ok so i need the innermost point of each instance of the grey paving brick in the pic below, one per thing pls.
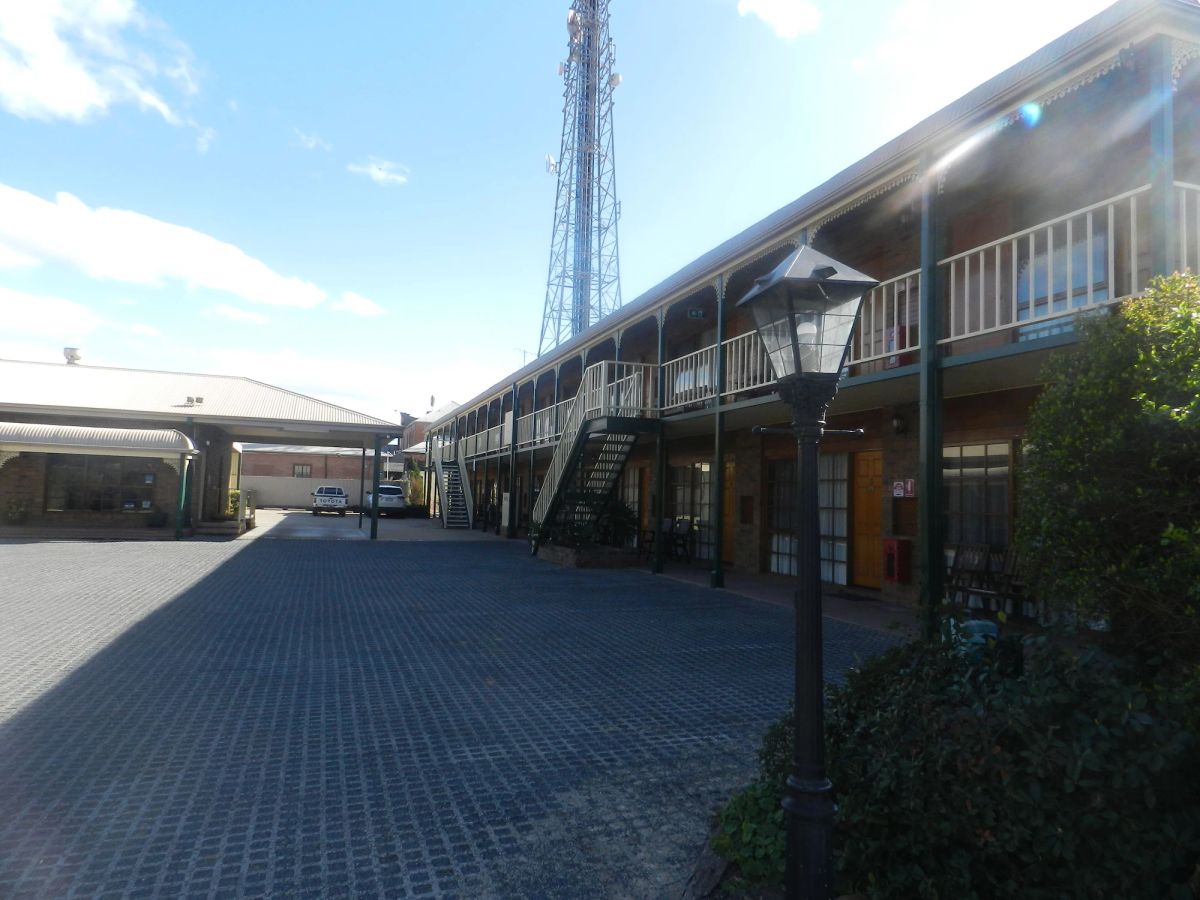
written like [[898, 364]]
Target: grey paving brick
[[284, 718]]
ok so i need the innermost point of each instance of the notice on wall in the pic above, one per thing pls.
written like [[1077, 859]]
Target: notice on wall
[[897, 488], [910, 487]]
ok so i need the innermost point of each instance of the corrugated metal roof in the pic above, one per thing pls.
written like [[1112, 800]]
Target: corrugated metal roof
[[29, 437], [1102, 32], [32, 385]]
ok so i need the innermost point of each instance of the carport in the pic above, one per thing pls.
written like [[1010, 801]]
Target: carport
[[97, 406]]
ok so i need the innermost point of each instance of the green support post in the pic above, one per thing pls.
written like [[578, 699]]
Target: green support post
[[1163, 233], [510, 527], [931, 519], [716, 577], [660, 455]]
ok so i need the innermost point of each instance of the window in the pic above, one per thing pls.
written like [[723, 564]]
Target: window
[[691, 498], [977, 487], [99, 483], [781, 529], [833, 489], [630, 489], [832, 494], [301, 470]]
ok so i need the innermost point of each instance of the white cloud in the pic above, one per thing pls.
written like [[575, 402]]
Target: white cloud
[[311, 141], [45, 316], [233, 105], [204, 139], [380, 171], [74, 60], [239, 315], [787, 18], [126, 246], [358, 305], [14, 259]]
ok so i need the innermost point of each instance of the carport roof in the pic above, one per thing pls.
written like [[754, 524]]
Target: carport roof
[[33, 387], [36, 438]]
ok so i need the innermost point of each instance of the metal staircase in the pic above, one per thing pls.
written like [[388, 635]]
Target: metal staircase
[[455, 501], [616, 402]]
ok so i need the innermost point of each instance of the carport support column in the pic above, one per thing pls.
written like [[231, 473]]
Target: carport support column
[[181, 502], [362, 480], [375, 487], [931, 525], [657, 506], [716, 577], [511, 524]]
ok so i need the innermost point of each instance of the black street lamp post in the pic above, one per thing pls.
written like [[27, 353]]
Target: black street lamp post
[[804, 312]]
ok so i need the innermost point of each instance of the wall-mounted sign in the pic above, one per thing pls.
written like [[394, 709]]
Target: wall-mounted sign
[[910, 487], [696, 312], [897, 488]]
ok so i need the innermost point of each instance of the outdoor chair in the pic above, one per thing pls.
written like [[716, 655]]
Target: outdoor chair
[[681, 540]]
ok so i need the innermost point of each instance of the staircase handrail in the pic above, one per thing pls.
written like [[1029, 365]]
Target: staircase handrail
[[629, 393], [440, 480], [465, 485]]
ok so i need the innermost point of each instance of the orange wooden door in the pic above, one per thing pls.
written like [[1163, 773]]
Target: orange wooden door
[[866, 517], [727, 514]]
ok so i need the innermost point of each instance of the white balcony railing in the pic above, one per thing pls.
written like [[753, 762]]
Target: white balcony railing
[[1077, 261], [888, 323], [747, 365], [541, 426], [691, 378], [1188, 219], [1084, 259]]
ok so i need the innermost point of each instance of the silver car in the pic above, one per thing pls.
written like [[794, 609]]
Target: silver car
[[391, 501]]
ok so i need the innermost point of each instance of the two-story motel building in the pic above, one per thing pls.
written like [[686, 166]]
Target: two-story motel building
[[1052, 190]]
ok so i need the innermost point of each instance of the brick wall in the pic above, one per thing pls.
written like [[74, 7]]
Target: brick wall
[[324, 466]]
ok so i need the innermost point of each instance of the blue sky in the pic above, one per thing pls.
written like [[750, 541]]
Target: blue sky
[[349, 200]]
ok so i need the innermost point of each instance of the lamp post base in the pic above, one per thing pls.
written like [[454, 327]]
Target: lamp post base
[[810, 807]]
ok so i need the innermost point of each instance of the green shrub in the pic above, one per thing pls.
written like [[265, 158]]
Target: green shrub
[[958, 778], [1109, 489]]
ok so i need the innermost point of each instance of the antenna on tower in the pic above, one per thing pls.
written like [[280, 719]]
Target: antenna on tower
[[584, 284]]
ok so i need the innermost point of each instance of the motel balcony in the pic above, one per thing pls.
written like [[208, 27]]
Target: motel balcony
[[1011, 290]]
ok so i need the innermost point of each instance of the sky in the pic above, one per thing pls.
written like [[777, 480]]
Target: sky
[[351, 201]]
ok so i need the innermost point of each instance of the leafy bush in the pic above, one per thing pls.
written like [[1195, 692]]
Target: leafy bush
[[958, 778], [1109, 496]]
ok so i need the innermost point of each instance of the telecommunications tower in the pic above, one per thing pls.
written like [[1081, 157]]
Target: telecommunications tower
[[584, 283]]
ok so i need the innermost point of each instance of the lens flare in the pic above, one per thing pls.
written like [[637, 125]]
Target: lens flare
[[1031, 114]]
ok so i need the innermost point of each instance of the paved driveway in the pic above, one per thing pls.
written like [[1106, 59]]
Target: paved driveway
[[299, 718]]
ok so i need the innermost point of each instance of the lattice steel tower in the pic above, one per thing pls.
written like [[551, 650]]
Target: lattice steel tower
[[584, 284]]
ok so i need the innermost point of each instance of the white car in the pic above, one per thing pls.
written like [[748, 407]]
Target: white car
[[391, 501], [330, 498]]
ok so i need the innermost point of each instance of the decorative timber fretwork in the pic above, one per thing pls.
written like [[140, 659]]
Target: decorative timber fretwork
[[1182, 54], [1123, 57], [861, 200], [8, 455], [792, 240]]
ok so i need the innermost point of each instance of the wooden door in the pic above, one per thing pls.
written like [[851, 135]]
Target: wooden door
[[866, 517], [727, 514]]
